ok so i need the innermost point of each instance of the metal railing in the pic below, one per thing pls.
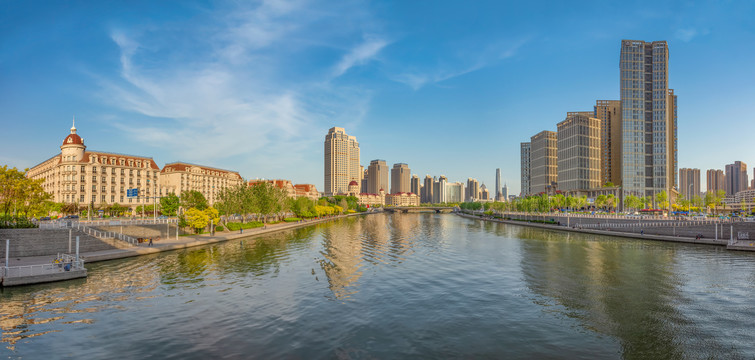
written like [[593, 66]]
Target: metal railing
[[62, 263], [89, 231]]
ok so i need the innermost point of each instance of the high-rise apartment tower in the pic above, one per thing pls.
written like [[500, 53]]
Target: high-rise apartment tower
[[341, 161], [400, 175], [649, 121]]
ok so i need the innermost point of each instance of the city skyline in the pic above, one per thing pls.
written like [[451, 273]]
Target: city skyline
[[230, 95]]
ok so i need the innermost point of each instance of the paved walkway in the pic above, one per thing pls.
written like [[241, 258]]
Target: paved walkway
[[173, 244]]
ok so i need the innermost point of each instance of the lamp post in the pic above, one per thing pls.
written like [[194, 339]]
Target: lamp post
[[689, 195]]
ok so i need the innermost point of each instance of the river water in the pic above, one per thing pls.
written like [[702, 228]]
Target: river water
[[397, 286]]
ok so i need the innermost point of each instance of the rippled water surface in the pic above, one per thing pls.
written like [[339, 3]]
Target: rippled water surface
[[397, 286]]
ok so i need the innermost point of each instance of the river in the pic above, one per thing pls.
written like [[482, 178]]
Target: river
[[397, 286]]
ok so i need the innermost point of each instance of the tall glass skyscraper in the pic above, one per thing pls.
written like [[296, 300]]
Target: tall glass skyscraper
[[648, 106]]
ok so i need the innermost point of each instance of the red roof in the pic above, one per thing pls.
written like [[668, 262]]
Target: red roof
[[73, 139], [353, 183]]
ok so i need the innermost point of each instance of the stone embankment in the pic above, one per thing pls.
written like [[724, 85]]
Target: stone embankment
[[42, 242]]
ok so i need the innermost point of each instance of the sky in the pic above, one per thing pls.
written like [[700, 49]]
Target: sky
[[447, 87]]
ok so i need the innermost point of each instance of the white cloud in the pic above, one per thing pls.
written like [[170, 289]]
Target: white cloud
[[359, 55], [230, 94], [688, 34]]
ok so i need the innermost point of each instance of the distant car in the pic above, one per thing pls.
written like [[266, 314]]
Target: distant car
[[71, 217], [162, 217], [44, 218]]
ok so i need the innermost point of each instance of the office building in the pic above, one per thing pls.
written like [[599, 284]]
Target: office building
[[578, 142], [377, 174], [543, 162], [497, 184], [341, 161], [427, 190], [525, 168], [442, 189], [400, 175], [484, 193], [416, 187], [505, 193], [609, 113], [649, 119], [473, 189], [715, 181], [455, 192], [689, 182], [736, 178]]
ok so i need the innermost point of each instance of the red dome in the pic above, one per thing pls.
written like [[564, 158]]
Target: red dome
[[353, 183], [73, 139]]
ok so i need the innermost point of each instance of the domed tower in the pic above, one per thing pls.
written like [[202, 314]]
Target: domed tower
[[353, 188], [73, 146]]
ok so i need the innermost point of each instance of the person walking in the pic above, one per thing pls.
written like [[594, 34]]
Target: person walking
[[150, 241]]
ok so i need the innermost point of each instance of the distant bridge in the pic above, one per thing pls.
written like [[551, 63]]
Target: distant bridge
[[416, 209]]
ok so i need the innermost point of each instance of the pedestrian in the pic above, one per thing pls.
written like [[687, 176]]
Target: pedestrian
[[150, 241]]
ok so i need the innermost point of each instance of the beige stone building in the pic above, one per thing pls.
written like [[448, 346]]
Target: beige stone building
[[341, 161], [294, 191], [609, 113], [578, 141], [178, 177], [543, 162], [715, 180], [365, 199], [95, 177], [402, 199]]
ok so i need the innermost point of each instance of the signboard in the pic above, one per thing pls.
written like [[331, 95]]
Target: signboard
[[132, 192]]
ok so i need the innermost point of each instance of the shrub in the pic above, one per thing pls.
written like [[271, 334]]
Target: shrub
[[292, 219], [235, 226], [219, 228]]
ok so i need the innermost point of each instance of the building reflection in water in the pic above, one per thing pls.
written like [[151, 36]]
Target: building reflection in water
[[611, 286], [374, 240]]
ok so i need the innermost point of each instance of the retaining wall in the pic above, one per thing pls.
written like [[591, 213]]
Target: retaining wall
[[39, 242]]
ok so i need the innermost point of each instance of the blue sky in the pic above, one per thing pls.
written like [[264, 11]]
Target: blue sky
[[447, 87]]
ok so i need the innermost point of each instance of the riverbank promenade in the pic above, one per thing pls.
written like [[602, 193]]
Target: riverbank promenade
[[170, 244]]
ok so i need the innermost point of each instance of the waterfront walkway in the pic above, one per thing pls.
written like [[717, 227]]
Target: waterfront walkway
[[182, 242], [691, 240]]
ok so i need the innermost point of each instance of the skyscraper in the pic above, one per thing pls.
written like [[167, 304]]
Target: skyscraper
[[609, 112], [648, 115], [443, 193], [415, 185], [578, 141], [736, 178], [525, 168], [473, 189], [497, 184], [505, 193], [543, 162], [341, 161], [400, 175], [689, 182], [715, 180], [427, 190], [377, 174]]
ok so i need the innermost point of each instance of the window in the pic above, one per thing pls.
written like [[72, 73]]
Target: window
[[81, 199], [94, 179]]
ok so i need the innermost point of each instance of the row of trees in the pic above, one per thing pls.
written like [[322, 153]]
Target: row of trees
[[21, 196], [545, 203]]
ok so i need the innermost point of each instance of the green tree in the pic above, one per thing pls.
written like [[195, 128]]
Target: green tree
[[196, 219], [193, 199], [600, 201], [169, 205], [661, 199]]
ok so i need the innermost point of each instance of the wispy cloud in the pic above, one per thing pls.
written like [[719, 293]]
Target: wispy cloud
[[359, 55], [688, 34], [230, 93], [464, 64]]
